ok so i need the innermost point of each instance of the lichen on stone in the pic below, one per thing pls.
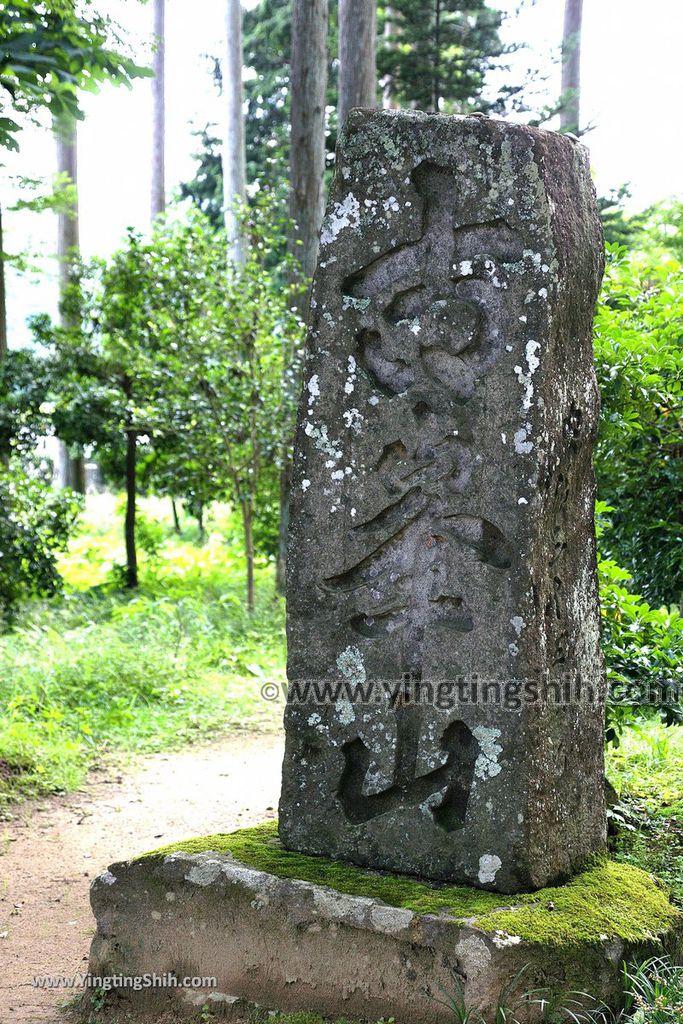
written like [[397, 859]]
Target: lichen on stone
[[607, 899]]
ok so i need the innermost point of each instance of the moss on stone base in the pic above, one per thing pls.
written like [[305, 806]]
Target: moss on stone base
[[608, 900]]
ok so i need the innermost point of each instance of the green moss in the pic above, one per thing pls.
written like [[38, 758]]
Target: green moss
[[617, 900]]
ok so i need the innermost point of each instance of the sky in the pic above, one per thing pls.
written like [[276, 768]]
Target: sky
[[631, 91]]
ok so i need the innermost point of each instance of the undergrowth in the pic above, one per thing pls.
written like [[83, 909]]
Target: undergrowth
[[646, 770], [101, 667]]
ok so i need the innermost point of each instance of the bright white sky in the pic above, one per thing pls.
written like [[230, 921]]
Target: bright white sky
[[632, 84]]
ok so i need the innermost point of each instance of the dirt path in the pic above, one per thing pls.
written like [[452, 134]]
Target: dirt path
[[53, 849]]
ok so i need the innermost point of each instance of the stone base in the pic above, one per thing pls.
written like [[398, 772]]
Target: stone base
[[294, 944]]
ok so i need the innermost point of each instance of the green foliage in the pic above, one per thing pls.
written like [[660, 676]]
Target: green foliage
[[663, 228], [182, 355], [653, 994], [656, 231], [643, 649], [231, 335], [267, 30], [439, 52], [639, 360], [510, 999], [50, 51], [267, 48], [103, 370], [35, 522], [24, 415], [183, 659], [455, 60], [646, 770], [619, 227], [206, 188]]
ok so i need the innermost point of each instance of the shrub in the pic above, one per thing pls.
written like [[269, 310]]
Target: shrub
[[35, 523]]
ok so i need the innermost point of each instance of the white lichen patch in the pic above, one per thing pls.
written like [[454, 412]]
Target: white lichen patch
[[390, 919], [464, 267], [313, 388], [305, 484], [321, 440], [533, 362], [522, 445], [487, 765], [345, 713], [349, 384], [344, 215], [526, 379], [205, 873], [518, 624], [353, 420], [489, 866], [350, 664], [350, 302], [501, 940]]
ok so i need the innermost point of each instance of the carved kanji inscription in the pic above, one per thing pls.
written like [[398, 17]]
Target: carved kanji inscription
[[441, 531]]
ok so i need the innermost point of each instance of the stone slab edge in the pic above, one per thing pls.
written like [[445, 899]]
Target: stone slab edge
[[291, 945]]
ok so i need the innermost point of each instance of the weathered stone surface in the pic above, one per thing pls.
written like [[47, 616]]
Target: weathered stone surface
[[442, 510], [292, 945]]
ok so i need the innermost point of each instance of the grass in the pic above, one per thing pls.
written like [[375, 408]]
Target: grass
[[100, 668], [647, 772]]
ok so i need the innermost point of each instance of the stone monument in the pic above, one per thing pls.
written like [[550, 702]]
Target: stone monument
[[445, 715], [446, 685]]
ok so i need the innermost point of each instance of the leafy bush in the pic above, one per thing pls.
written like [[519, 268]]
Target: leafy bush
[[643, 649], [639, 457], [35, 522]]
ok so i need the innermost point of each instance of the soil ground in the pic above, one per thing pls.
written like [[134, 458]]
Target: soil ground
[[53, 848]]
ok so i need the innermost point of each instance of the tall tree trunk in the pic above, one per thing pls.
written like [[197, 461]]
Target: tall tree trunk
[[388, 99], [176, 517], [200, 521], [357, 55], [308, 73], [234, 157], [159, 111], [68, 240], [436, 84], [248, 524], [571, 67], [3, 304], [4, 455], [77, 473], [307, 136], [131, 494], [68, 250]]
